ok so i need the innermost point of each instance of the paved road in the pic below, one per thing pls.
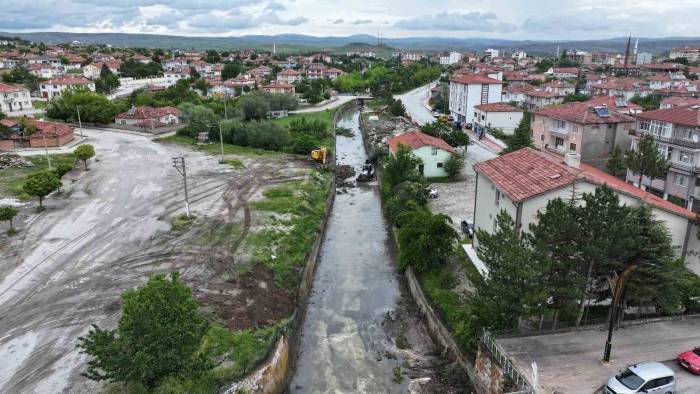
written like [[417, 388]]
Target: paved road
[[570, 362], [414, 101], [68, 265], [340, 100]]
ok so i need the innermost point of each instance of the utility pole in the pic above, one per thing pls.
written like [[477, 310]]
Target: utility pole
[[46, 149], [80, 124], [221, 142], [179, 164], [617, 284]]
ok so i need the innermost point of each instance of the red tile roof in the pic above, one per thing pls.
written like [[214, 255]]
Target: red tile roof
[[10, 88], [581, 113], [148, 113], [688, 115], [417, 139], [565, 70], [475, 79], [288, 71], [497, 107], [612, 102], [69, 81], [680, 101], [527, 172], [48, 129]]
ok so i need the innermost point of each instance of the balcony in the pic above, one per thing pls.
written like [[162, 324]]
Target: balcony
[[688, 167], [559, 131], [669, 140]]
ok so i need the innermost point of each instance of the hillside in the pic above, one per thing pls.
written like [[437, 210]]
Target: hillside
[[299, 42]]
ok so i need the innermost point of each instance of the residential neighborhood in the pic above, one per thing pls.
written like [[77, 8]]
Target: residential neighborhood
[[325, 197]]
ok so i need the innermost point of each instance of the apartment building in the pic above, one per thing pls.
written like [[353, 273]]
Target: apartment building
[[468, 90], [54, 87], [14, 98], [690, 53], [677, 134], [582, 128]]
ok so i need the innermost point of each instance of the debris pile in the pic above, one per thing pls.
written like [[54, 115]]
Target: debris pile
[[344, 171], [378, 132], [14, 161]]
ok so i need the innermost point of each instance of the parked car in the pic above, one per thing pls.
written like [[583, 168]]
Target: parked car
[[690, 360], [468, 228], [652, 378]]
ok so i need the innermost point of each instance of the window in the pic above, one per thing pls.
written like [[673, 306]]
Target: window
[[685, 157], [439, 165], [660, 129], [541, 137], [688, 134], [559, 124], [558, 142], [572, 147], [681, 180], [574, 129], [498, 197], [433, 152], [665, 151]]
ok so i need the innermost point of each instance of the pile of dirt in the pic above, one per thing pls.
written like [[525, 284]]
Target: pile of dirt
[[344, 172], [251, 300], [379, 131], [344, 132], [14, 161]]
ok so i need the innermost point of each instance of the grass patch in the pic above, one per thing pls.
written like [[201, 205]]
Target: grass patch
[[234, 353], [398, 378], [326, 116], [235, 163], [215, 148], [284, 247], [39, 104], [12, 179], [180, 222]]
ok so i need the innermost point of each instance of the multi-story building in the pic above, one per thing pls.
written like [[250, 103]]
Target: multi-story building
[[468, 90], [502, 116], [176, 74], [690, 53], [54, 87], [540, 98], [643, 58], [289, 76], [581, 128], [448, 59], [14, 98], [677, 134], [491, 53]]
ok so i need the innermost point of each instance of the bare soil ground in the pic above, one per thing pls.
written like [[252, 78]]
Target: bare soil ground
[[109, 230]]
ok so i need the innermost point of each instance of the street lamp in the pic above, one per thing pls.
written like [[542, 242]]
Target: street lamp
[[618, 283], [80, 124]]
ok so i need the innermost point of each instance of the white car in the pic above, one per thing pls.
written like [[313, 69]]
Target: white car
[[652, 378]]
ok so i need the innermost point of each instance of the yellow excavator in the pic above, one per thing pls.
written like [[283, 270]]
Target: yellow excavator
[[319, 154]]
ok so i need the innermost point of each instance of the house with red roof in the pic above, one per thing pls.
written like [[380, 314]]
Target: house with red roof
[[29, 132], [14, 98], [468, 90], [677, 134], [587, 129], [432, 151], [279, 87], [522, 182], [289, 76], [562, 72], [149, 117], [501, 116], [54, 87]]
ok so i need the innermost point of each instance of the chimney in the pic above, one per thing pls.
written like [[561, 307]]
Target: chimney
[[572, 160]]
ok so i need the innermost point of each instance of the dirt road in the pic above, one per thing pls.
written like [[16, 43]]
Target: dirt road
[[105, 233]]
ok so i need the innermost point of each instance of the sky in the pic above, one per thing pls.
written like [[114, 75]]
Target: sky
[[508, 19]]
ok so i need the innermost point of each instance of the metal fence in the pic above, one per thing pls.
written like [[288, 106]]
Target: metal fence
[[500, 357]]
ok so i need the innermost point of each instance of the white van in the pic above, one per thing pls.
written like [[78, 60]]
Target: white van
[[651, 378]]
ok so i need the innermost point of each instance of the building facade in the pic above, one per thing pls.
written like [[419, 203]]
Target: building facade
[[14, 98], [468, 90]]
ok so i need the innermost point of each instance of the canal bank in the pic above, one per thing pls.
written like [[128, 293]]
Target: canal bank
[[362, 331]]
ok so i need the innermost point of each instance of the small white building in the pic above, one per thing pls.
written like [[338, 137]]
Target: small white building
[[468, 90], [502, 116], [174, 75], [448, 59], [562, 72], [522, 182], [491, 53], [14, 98], [432, 151], [54, 87], [289, 76]]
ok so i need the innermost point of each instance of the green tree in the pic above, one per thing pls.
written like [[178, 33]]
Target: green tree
[[107, 84], [231, 70], [521, 136], [94, 107], [544, 65], [514, 287], [616, 163], [427, 240], [157, 337], [41, 184], [401, 166], [646, 160], [453, 166], [7, 213], [648, 103], [84, 152], [212, 56]]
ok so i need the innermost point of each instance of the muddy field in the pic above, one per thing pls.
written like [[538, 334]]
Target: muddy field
[[109, 230]]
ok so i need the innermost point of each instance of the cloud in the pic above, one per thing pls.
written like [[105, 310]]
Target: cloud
[[446, 21], [338, 21], [275, 6], [361, 22]]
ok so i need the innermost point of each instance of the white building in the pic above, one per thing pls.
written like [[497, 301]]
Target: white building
[[519, 55], [54, 87], [502, 116], [643, 58], [468, 90], [690, 53], [522, 182], [432, 151], [450, 58], [289, 76], [174, 75], [14, 98], [491, 53]]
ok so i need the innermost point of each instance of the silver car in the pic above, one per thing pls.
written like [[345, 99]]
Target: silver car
[[649, 378]]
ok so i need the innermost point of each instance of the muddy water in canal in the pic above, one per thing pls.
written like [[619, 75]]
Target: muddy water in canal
[[362, 332]]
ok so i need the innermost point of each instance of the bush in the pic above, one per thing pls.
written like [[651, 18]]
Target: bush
[[304, 144], [453, 166]]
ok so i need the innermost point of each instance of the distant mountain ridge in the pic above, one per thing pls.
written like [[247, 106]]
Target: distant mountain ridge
[[300, 42]]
